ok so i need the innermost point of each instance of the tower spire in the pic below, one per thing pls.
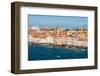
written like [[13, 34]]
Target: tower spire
[[81, 29]]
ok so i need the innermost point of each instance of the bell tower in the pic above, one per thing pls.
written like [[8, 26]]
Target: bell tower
[[81, 29]]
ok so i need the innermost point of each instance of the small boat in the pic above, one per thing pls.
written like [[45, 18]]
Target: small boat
[[82, 49]]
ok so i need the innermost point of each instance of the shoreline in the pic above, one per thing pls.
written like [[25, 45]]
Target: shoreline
[[64, 45]]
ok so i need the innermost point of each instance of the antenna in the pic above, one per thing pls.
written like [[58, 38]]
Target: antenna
[[58, 22]]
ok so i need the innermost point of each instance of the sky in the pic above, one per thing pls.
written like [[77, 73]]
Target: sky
[[43, 21]]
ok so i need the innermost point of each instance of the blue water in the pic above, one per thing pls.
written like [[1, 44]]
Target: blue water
[[38, 52]]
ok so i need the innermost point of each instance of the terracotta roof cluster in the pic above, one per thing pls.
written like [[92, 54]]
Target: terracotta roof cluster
[[44, 33]]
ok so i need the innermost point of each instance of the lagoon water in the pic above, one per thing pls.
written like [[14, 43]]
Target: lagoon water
[[39, 52]]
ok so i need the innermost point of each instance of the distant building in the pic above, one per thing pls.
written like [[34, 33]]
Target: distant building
[[59, 36], [35, 28], [82, 35]]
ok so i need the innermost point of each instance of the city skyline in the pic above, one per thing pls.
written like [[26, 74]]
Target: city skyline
[[56, 21]]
